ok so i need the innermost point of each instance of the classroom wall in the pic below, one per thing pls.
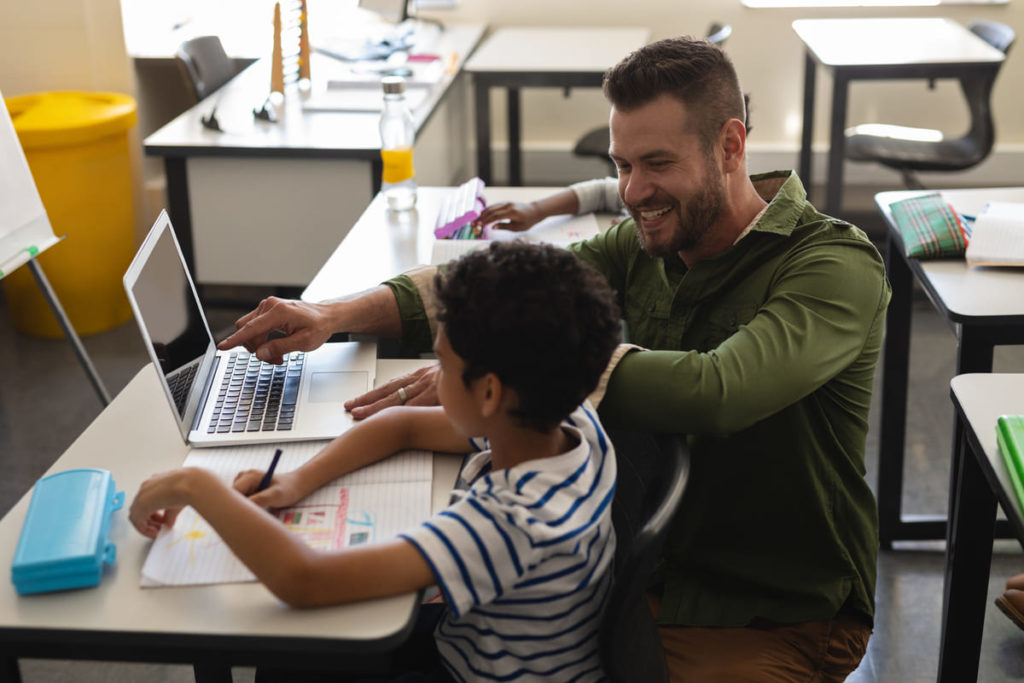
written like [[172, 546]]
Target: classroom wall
[[769, 58]]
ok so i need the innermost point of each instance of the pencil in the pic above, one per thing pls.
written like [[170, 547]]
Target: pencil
[[265, 482]]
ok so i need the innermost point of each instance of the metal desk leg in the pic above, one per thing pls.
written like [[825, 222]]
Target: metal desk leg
[[968, 561], [69, 331], [482, 106], [9, 670], [895, 363], [212, 673], [807, 136], [837, 144], [179, 208], [515, 151]]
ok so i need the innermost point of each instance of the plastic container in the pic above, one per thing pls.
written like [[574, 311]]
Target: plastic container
[[397, 134], [77, 147], [64, 540]]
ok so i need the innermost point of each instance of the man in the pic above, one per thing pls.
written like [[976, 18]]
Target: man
[[763, 319]]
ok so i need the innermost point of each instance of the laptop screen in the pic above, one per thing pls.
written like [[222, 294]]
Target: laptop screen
[[171, 316]]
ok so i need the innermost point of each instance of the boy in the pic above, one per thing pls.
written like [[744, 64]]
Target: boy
[[524, 558]]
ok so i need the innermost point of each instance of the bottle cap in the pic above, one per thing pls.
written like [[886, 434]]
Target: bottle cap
[[393, 85]]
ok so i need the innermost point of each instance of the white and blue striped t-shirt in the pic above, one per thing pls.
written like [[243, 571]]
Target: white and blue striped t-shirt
[[524, 561]]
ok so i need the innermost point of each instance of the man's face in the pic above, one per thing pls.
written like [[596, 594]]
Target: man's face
[[672, 188]]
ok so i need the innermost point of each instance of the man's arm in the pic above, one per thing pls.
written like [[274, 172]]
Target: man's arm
[[826, 307]]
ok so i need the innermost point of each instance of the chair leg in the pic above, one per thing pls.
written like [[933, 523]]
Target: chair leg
[[911, 181]]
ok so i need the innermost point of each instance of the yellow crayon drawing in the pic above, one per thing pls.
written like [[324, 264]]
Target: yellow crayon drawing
[[200, 530]]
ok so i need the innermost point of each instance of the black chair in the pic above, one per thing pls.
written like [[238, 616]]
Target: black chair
[[204, 65], [652, 475], [595, 143], [911, 150]]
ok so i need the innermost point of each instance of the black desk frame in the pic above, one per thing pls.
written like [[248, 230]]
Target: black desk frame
[[512, 81], [842, 76], [969, 556], [977, 339]]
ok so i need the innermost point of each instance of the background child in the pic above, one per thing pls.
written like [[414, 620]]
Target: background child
[[524, 558]]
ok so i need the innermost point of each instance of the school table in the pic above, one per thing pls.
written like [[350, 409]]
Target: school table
[[517, 57], [259, 203], [983, 307], [983, 481], [383, 244], [212, 627], [878, 49]]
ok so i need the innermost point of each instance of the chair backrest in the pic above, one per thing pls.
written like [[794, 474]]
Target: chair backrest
[[652, 475], [205, 65], [1000, 36], [980, 139], [718, 33]]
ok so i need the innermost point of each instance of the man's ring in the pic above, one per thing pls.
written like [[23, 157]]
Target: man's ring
[[402, 396]]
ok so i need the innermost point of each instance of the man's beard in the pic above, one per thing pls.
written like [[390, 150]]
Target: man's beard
[[702, 211]]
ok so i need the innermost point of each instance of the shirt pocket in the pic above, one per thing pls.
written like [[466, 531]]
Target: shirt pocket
[[648, 318]]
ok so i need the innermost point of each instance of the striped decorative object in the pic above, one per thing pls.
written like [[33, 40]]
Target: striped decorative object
[[929, 226]]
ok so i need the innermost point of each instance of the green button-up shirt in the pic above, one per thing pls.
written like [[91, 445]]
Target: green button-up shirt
[[765, 355]]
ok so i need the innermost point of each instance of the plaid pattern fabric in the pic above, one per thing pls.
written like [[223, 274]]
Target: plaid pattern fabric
[[929, 226]]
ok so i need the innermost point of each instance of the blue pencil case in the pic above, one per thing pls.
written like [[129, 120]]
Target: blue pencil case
[[64, 541]]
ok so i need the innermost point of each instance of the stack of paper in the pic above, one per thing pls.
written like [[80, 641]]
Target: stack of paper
[[998, 236]]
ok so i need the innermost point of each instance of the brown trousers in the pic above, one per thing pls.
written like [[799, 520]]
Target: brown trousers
[[811, 652]]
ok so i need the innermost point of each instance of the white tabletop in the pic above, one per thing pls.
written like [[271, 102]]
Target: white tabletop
[[983, 398], [316, 133], [890, 41], [383, 244], [970, 291], [134, 437], [556, 49]]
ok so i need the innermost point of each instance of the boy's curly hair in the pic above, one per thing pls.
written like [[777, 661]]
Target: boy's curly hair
[[539, 318]]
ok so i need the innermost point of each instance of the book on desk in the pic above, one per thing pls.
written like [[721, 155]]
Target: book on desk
[[997, 237]]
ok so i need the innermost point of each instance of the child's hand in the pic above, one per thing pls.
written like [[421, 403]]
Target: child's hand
[[282, 492], [160, 499]]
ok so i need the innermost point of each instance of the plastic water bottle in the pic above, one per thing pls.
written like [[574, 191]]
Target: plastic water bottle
[[397, 133]]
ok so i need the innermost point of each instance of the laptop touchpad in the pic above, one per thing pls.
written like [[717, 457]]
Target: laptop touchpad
[[337, 386]]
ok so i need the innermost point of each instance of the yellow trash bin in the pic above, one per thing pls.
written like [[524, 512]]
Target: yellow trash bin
[[77, 146]]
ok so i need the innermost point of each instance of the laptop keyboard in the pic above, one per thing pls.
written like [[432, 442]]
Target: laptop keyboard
[[180, 384], [256, 396]]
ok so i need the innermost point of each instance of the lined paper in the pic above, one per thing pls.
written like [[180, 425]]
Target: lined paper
[[998, 236], [371, 504]]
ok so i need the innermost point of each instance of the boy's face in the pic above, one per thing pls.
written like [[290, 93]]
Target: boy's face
[[458, 400]]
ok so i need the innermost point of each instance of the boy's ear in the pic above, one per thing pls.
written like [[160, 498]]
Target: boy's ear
[[489, 393]]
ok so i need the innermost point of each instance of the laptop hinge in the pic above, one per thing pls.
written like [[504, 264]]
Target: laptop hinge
[[197, 419]]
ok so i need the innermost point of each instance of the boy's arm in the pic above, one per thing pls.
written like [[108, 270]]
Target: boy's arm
[[295, 573], [388, 432]]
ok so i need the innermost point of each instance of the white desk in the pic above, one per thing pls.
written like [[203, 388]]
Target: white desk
[[983, 307], [381, 245], [878, 49], [260, 203], [521, 57], [212, 627], [979, 400]]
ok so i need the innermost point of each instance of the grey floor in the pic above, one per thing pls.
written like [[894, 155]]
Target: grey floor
[[46, 401]]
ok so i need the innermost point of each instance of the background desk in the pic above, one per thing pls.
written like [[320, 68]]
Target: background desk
[[979, 400], [515, 57], [261, 203], [212, 627], [878, 49], [984, 308], [381, 245]]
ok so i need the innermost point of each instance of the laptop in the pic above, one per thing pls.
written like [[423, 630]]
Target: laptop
[[222, 398]]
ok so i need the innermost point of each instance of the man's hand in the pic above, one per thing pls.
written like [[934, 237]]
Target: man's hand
[[305, 326], [515, 216], [418, 388]]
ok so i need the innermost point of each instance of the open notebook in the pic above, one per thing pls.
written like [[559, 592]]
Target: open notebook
[[997, 238], [558, 230]]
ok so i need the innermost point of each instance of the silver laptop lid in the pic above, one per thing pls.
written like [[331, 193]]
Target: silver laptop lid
[[174, 328]]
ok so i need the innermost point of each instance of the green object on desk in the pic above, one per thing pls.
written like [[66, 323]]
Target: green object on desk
[[929, 226], [1010, 434]]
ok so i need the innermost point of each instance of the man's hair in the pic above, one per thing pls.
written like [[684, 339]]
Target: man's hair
[[695, 72], [537, 317]]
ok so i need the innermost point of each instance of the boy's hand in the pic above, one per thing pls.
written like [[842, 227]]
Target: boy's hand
[[160, 499], [515, 216], [283, 490]]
